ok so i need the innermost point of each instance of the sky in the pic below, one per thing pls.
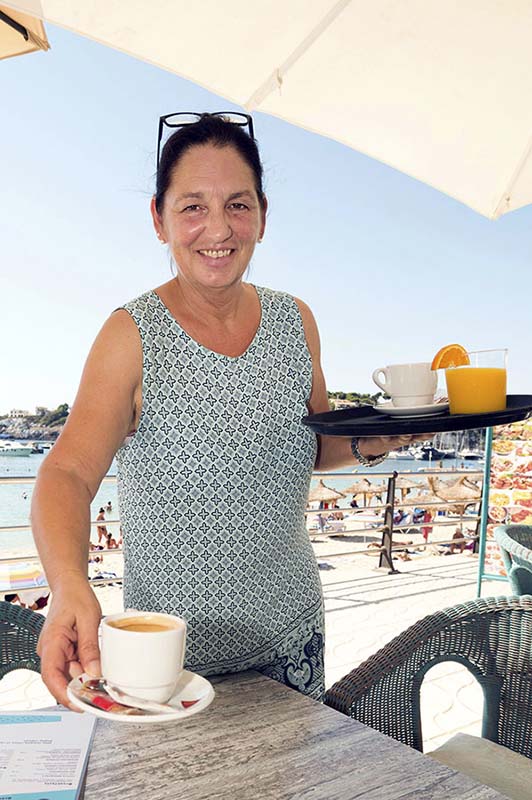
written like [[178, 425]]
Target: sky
[[391, 268]]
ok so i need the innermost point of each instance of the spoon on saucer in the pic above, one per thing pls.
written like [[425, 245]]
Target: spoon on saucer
[[138, 702]]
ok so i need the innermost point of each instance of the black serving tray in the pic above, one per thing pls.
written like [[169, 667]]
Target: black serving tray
[[365, 421]]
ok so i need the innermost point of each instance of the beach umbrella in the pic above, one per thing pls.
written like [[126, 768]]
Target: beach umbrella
[[405, 485], [21, 575], [459, 491], [365, 488], [362, 487], [323, 493], [358, 487], [20, 33], [421, 499], [437, 90]]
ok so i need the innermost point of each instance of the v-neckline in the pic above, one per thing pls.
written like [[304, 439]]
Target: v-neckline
[[201, 346]]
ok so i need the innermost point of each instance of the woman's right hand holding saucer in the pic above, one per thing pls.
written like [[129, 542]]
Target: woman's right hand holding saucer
[[68, 644]]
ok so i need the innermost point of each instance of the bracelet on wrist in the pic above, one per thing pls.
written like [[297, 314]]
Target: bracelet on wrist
[[366, 461]]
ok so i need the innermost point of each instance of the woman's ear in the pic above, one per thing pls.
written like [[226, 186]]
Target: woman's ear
[[157, 222], [264, 210]]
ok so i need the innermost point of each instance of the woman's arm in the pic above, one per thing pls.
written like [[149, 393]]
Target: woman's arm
[[105, 410], [334, 452]]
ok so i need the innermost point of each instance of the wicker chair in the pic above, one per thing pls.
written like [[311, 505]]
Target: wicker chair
[[491, 637], [515, 542], [19, 634]]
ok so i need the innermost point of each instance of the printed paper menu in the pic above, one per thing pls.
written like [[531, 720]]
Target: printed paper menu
[[510, 497], [44, 754]]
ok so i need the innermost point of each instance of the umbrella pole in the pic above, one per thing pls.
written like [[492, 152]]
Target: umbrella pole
[[15, 25], [385, 559]]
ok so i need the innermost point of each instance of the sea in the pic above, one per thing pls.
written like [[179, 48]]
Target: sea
[[15, 498]]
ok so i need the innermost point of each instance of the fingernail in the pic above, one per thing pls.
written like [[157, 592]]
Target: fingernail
[[93, 669]]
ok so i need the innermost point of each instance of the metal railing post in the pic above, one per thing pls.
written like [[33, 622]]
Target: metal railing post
[[385, 558]]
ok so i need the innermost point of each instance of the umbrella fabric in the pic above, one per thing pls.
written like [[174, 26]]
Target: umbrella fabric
[[405, 483], [421, 499], [322, 492], [21, 575], [437, 90], [359, 487], [15, 40], [460, 490]]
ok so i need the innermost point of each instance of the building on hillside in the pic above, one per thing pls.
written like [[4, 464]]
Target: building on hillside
[[18, 413], [339, 404]]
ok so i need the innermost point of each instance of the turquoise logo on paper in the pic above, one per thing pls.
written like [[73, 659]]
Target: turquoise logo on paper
[[27, 719]]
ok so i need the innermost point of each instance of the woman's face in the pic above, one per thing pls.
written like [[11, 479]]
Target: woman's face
[[211, 216]]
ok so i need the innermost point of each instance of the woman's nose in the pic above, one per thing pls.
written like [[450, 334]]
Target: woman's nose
[[218, 226]]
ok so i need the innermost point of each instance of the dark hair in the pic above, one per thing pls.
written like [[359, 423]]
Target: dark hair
[[101, 511], [209, 129]]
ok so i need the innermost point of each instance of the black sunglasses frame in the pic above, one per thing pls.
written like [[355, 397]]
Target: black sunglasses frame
[[247, 122]]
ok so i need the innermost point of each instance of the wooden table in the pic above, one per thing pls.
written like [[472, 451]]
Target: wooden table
[[262, 741]]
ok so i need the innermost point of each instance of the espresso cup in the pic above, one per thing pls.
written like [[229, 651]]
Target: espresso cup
[[143, 653], [407, 384]]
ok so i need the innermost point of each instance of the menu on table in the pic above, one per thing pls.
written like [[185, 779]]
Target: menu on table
[[510, 495], [44, 754]]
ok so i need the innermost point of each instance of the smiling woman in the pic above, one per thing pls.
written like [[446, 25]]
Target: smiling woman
[[210, 377]]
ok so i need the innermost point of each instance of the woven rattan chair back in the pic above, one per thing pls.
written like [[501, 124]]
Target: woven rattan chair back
[[492, 637], [515, 542], [19, 634]]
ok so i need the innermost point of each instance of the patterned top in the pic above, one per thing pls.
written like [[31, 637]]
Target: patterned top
[[213, 485]]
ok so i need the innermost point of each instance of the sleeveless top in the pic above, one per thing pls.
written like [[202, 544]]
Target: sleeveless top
[[213, 485]]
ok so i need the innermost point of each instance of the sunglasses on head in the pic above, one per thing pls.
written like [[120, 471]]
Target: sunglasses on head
[[169, 123]]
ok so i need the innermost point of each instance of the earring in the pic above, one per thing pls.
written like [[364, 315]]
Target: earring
[[259, 240]]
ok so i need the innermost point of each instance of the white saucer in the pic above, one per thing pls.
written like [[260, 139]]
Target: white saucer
[[411, 411], [190, 687]]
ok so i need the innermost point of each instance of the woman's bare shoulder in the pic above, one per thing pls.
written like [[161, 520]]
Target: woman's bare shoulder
[[310, 327]]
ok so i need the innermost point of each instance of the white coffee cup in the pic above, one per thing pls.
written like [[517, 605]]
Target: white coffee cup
[[143, 653], [408, 384]]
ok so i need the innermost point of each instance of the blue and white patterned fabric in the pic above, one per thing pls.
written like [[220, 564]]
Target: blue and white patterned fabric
[[212, 489]]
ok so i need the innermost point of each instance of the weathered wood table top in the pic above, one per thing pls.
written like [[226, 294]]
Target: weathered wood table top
[[262, 740]]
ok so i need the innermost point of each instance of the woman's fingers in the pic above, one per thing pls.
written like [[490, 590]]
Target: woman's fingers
[[56, 652], [88, 650]]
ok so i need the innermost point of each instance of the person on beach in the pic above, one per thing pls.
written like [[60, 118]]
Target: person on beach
[[109, 507], [101, 529], [111, 542], [213, 375]]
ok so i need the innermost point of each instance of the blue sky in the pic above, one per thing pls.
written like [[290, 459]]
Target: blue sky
[[391, 268]]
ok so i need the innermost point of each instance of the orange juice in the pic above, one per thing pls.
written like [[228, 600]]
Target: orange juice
[[476, 390]]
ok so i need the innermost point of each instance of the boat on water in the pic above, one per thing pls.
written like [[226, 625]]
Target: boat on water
[[470, 455], [15, 449], [431, 453], [403, 455]]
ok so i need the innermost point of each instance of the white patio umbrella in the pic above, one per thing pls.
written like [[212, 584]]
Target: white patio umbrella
[[20, 33], [438, 90]]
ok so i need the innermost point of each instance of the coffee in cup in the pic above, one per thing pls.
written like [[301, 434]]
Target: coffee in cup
[[144, 624], [143, 653], [407, 384]]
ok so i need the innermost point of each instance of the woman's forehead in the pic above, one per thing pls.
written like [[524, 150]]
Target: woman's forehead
[[205, 164]]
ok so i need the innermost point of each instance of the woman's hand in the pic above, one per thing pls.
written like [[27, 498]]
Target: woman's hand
[[376, 445], [68, 644]]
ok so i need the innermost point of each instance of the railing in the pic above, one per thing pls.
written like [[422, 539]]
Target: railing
[[386, 529]]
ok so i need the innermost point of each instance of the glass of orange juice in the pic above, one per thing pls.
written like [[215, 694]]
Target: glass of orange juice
[[480, 386]]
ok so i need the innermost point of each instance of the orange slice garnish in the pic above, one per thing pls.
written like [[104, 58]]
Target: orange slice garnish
[[452, 355]]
